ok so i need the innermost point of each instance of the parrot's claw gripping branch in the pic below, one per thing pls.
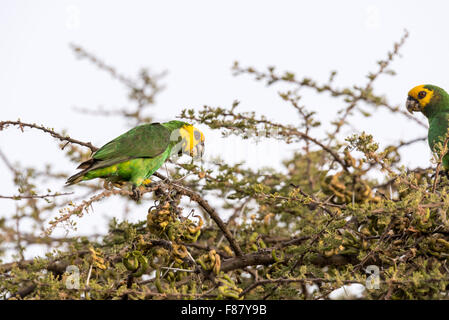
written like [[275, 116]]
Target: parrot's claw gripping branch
[[136, 193]]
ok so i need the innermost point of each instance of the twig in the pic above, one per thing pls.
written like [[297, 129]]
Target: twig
[[86, 203], [211, 211], [291, 280], [177, 269], [284, 130], [20, 197], [372, 77], [21, 125]]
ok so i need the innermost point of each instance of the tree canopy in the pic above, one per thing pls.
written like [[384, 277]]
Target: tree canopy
[[340, 208]]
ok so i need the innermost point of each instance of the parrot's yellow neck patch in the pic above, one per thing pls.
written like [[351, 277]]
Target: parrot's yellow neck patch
[[416, 93], [191, 135]]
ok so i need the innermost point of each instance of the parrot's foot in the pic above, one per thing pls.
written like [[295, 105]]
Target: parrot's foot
[[137, 193], [107, 185]]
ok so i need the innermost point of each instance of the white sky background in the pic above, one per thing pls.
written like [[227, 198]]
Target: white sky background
[[197, 41]]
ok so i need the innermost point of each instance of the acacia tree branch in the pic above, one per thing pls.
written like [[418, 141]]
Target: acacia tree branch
[[285, 131], [20, 197], [291, 280], [210, 211], [78, 210], [21, 125], [407, 143], [372, 77]]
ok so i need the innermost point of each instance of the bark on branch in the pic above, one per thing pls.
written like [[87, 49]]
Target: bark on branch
[[21, 125]]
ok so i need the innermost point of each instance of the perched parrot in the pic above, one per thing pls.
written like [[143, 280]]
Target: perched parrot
[[433, 102], [135, 155]]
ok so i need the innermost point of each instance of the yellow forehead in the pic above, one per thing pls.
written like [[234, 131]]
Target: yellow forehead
[[415, 92], [188, 130]]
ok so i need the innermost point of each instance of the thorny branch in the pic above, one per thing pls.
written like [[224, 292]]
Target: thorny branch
[[312, 223], [21, 125], [21, 197]]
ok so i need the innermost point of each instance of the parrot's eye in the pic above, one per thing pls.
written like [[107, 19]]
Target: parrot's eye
[[197, 135], [422, 94]]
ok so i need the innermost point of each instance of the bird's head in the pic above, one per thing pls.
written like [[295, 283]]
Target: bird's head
[[186, 139], [192, 141], [426, 99]]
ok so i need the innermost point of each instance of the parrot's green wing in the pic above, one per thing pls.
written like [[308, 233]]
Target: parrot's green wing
[[145, 141], [137, 154]]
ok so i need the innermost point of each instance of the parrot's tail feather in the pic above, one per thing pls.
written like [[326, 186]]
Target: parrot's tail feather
[[86, 164], [92, 164], [75, 178]]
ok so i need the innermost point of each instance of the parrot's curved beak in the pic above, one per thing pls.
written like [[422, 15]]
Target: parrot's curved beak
[[195, 151], [198, 151], [412, 105]]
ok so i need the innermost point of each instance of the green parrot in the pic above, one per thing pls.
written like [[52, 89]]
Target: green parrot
[[433, 102], [135, 155]]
